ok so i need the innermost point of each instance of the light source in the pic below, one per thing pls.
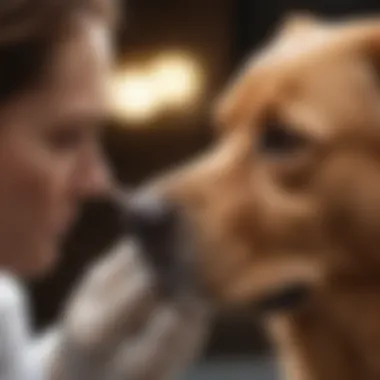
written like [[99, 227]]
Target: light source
[[132, 97], [177, 79], [169, 81]]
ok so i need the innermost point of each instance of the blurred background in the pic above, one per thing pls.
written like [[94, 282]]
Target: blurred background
[[174, 56]]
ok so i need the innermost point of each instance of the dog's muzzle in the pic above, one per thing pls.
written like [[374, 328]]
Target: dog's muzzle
[[169, 245], [165, 239]]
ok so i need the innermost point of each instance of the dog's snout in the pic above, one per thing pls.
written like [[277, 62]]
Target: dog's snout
[[151, 218], [158, 226]]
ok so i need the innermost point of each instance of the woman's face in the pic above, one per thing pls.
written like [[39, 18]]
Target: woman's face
[[50, 161]]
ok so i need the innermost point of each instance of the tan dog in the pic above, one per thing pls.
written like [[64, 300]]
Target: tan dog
[[291, 194]]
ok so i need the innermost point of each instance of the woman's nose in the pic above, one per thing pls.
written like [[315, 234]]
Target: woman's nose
[[95, 180]]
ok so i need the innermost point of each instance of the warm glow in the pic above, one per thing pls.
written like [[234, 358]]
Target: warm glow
[[169, 81], [132, 96], [177, 79]]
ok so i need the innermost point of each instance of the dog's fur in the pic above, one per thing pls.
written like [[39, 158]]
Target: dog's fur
[[291, 193]]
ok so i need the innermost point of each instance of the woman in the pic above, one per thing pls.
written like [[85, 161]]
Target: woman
[[54, 61]]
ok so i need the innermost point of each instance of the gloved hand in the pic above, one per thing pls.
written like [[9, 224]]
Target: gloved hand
[[118, 326]]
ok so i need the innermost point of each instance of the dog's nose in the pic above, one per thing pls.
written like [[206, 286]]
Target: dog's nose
[[161, 230], [152, 219], [158, 228]]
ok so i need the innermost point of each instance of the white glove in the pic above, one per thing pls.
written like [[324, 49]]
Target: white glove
[[117, 325]]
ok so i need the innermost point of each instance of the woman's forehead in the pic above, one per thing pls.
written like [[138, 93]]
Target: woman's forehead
[[84, 55], [99, 37], [76, 80], [80, 71]]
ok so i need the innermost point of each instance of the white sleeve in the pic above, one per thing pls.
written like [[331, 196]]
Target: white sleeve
[[14, 331], [21, 356]]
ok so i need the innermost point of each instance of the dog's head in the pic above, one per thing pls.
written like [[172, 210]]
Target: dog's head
[[290, 193]]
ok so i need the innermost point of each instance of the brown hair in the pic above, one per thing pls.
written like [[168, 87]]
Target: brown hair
[[29, 30]]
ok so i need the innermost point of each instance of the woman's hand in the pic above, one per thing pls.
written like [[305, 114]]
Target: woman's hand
[[118, 327]]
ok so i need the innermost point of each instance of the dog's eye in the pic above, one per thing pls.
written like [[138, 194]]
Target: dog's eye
[[278, 139]]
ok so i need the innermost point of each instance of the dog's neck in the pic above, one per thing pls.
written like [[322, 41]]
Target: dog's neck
[[336, 337]]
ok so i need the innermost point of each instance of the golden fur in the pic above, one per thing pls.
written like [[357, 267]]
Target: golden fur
[[266, 219]]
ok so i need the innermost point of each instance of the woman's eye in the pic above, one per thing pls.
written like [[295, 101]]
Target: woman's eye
[[65, 139], [278, 139]]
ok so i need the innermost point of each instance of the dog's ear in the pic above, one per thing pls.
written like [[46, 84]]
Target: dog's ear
[[371, 45], [298, 22], [367, 41], [360, 34]]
